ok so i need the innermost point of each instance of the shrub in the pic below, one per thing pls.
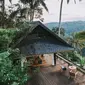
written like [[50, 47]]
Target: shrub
[[11, 74]]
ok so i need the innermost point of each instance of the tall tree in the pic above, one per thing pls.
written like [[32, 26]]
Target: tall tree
[[60, 14], [3, 4], [34, 6], [3, 14], [56, 29], [29, 9]]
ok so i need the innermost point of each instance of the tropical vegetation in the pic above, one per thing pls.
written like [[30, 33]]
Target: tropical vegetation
[[12, 70], [21, 11], [13, 22], [76, 40]]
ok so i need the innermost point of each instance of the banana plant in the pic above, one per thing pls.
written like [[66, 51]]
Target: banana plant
[[82, 59]]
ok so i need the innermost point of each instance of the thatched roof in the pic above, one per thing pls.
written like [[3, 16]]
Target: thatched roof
[[40, 40]]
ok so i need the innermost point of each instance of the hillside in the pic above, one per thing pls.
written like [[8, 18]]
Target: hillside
[[69, 27]]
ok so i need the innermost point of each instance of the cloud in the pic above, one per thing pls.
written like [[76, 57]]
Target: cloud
[[70, 11]]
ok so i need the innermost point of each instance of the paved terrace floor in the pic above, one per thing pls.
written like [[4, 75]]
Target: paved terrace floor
[[49, 76]]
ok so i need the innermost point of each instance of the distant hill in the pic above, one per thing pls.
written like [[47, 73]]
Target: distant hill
[[69, 27]]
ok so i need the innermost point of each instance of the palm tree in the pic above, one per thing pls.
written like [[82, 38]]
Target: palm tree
[[29, 9], [60, 15], [34, 6], [3, 4], [3, 12]]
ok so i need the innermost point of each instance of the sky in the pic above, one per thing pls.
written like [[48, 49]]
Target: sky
[[71, 11]]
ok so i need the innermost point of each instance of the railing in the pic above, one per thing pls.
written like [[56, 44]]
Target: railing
[[71, 63]]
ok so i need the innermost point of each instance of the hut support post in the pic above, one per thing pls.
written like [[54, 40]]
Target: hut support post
[[54, 58], [22, 62]]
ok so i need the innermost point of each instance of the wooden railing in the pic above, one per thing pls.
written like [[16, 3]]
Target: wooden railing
[[71, 63]]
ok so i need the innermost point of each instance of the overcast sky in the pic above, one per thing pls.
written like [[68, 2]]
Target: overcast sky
[[71, 11]]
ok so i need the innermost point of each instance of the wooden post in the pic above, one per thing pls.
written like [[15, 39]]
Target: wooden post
[[54, 58]]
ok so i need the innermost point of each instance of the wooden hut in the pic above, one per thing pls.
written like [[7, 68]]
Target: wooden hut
[[41, 40]]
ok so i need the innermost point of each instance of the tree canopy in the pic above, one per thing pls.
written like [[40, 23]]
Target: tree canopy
[[21, 11], [80, 35]]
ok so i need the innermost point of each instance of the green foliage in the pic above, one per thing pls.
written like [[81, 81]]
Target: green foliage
[[21, 11], [56, 29], [71, 56], [11, 70], [6, 36], [5, 21], [82, 59], [75, 57], [23, 25], [10, 74], [23, 30], [80, 35]]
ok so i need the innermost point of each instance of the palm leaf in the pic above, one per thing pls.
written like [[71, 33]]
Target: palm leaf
[[36, 4], [13, 14], [10, 1], [68, 1], [74, 1], [23, 11], [24, 1], [43, 4], [39, 10]]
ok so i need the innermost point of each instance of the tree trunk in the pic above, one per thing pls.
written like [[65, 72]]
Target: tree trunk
[[32, 15], [60, 15], [27, 15], [3, 6], [3, 11]]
